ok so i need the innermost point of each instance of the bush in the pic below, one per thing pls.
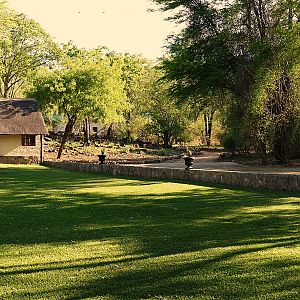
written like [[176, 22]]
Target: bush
[[230, 142], [237, 142], [165, 152]]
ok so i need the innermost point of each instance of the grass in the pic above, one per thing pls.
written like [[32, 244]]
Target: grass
[[67, 235]]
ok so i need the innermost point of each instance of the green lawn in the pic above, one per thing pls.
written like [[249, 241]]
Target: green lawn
[[67, 235]]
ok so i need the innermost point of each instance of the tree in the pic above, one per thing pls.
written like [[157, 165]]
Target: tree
[[208, 116], [199, 61], [138, 75], [247, 50], [272, 35], [166, 119], [81, 88], [24, 46]]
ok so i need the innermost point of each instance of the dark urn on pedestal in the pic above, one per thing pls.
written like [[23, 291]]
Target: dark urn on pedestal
[[188, 160], [102, 157]]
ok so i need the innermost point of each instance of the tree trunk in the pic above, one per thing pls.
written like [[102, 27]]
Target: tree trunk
[[5, 91], [68, 130], [109, 132], [128, 136], [86, 132], [263, 153], [280, 145], [166, 139], [128, 132], [208, 122], [281, 108]]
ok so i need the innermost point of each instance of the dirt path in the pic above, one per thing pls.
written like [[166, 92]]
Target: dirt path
[[208, 160]]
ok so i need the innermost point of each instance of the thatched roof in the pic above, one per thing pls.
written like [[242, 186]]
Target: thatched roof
[[21, 116]]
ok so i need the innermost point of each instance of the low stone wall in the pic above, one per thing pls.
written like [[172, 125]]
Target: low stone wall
[[19, 160], [280, 182]]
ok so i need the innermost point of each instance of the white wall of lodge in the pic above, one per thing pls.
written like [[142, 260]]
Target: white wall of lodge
[[78, 128]]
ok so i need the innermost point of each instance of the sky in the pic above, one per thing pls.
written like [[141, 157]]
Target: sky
[[120, 25]]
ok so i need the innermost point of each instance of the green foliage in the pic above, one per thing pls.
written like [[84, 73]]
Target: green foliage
[[246, 54], [166, 119], [24, 46], [138, 75], [230, 142], [84, 86], [235, 142]]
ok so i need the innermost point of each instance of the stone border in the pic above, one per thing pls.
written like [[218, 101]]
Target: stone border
[[23, 160], [279, 182]]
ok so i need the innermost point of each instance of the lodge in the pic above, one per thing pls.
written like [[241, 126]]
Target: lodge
[[22, 128]]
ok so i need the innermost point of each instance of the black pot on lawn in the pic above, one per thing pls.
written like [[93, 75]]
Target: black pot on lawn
[[102, 158], [189, 161]]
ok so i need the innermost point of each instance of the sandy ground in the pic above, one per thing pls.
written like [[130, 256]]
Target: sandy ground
[[208, 160]]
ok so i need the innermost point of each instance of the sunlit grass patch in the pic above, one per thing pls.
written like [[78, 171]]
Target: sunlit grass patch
[[68, 235]]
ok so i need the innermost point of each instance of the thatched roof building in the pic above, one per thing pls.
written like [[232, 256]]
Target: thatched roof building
[[21, 116]]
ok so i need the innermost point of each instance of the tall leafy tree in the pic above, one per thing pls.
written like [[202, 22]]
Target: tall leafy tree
[[199, 64], [246, 50], [24, 46], [82, 87], [138, 75], [166, 120], [276, 57]]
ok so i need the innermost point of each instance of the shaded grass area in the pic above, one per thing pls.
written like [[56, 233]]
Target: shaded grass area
[[67, 235]]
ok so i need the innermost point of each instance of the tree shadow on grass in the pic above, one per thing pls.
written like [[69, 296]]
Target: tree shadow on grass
[[45, 206], [50, 207], [214, 278]]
